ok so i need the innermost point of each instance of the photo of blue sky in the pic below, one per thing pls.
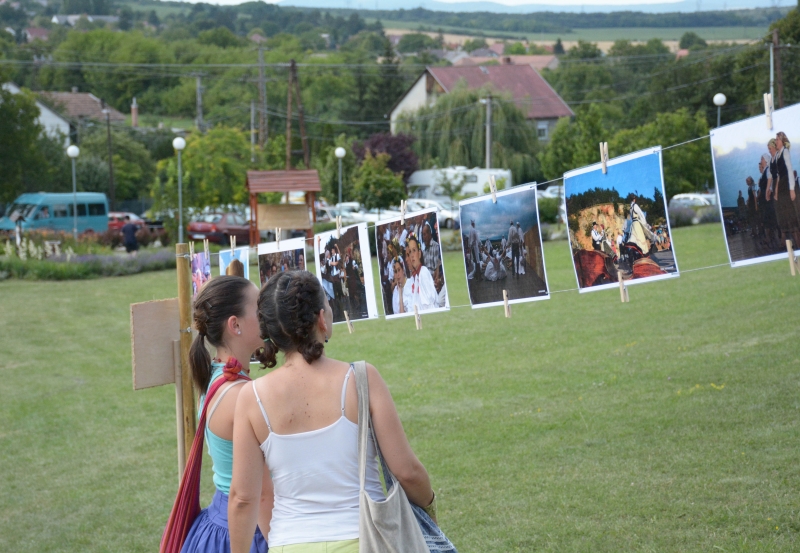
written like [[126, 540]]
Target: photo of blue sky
[[641, 176], [492, 219], [738, 147]]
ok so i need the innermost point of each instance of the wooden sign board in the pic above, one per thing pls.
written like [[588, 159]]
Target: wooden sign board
[[154, 327], [285, 216]]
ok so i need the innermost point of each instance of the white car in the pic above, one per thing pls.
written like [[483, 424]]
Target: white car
[[448, 218], [691, 200], [554, 191]]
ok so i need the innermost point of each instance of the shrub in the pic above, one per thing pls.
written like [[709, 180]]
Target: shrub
[[548, 210], [65, 267]]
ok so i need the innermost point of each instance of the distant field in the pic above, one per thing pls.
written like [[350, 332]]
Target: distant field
[[596, 35]]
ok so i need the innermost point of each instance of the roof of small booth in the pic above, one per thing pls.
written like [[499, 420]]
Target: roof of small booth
[[283, 181]]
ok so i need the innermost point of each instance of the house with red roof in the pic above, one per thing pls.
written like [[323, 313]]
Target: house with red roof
[[523, 83]]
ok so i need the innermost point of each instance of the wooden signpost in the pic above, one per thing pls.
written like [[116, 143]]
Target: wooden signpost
[[161, 336]]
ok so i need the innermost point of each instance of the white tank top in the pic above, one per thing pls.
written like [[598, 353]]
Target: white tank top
[[315, 481]]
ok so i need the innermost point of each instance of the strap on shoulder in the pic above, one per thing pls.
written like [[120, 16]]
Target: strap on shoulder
[[221, 395]]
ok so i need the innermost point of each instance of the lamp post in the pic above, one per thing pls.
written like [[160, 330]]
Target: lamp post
[[73, 151], [179, 144], [340, 153], [719, 101]]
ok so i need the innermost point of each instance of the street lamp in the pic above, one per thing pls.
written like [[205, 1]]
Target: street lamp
[[719, 101], [340, 153], [73, 152], [179, 144]]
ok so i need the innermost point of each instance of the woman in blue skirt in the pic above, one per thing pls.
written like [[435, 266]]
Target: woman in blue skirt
[[225, 315]]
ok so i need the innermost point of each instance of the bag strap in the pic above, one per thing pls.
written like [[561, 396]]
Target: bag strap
[[365, 429]]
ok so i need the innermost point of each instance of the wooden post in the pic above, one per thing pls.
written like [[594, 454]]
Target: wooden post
[[289, 123], [185, 309], [176, 361], [301, 116], [792, 259]]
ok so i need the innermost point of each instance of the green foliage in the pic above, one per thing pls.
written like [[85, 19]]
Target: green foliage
[[474, 44], [574, 144], [134, 169], [558, 47], [90, 7], [415, 42], [374, 184], [451, 132], [222, 37], [548, 210], [90, 267], [691, 40], [328, 166], [584, 50], [452, 187], [514, 49], [19, 136], [686, 169]]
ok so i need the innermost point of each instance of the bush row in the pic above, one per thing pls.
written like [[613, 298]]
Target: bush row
[[84, 266]]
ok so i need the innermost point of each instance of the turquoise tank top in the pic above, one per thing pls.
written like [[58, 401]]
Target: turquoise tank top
[[220, 449]]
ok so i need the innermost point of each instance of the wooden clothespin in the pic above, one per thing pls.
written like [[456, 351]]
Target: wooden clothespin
[[191, 250], [493, 188], [505, 302], [278, 236], [349, 324], [794, 265], [769, 107], [402, 212], [417, 318], [233, 244], [206, 249], [623, 291], [604, 156], [338, 226]]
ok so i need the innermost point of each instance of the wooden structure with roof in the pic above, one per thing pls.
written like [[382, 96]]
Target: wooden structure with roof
[[285, 216]]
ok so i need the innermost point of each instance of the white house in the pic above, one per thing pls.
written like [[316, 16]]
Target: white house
[[426, 183], [54, 124]]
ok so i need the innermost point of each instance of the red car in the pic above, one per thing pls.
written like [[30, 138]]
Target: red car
[[116, 220], [219, 227]]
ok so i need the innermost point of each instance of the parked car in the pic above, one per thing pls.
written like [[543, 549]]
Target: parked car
[[552, 191], [55, 211], [116, 220], [447, 217], [219, 227], [691, 200]]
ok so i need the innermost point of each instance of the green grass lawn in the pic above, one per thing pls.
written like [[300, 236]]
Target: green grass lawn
[[580, 424]]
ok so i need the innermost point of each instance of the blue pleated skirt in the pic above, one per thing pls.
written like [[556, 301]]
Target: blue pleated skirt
[[209, 533]]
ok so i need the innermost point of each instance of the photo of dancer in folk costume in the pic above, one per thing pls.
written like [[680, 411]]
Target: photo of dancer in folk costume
[[641, 238]]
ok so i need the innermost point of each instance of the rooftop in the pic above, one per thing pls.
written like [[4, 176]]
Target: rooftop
[[80, 105]]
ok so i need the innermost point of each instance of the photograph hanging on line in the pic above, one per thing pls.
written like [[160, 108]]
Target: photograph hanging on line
[[344, 267], [502, 247], [410, 264], [201, 270], [291, 256], [618, 222], [757, 185], [235, 262]]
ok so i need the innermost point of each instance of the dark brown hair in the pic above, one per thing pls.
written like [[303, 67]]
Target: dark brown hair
[[218, 300], [288, 308]]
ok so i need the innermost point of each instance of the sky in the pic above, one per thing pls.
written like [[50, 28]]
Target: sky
[[738, 147], [641, 175], [492, 219]]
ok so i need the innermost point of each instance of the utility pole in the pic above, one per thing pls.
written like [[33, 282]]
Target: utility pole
[[301, 116], [779, 74], [289, 123], [110, 160], [489, 132], [263, 122], [252, 131], [772, 70], [199, 121]]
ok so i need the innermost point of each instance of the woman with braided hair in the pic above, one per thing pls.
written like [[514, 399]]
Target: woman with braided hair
[[225, 317], [301, 421]]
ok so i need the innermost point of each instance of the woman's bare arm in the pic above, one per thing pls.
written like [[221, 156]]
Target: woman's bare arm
[[248, 472], [394, 444]]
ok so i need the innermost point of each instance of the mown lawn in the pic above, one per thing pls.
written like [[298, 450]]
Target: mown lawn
[[580, 424]]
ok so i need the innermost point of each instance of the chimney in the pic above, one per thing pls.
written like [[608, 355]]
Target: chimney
[[134, 113], [74, 89]]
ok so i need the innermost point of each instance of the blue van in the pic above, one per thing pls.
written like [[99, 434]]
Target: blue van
[[52, 211]]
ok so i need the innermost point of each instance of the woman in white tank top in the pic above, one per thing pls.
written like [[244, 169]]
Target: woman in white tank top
[[302, 421]]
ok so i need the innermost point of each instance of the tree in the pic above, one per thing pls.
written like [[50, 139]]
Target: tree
[[415, 42], [134, 169], [125, 19], [152, 19], [574, 143], [386, 88], [474, 44], [584, 50], [515, 49], [328, 166], [19, 132], [402, 159], [452, 132], [691, 41], [222, 37], [558, 47], [451, 187], [374, 184]]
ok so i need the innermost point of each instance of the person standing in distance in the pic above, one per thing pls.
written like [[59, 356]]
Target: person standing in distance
[[128, 232], [300, 423]]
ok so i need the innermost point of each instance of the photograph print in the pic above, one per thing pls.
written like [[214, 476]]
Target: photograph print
[[757, 185], [273, 260], [410, 264], [618, 223], [344, 268], [502, 248], [235, 262], [201, 270]]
